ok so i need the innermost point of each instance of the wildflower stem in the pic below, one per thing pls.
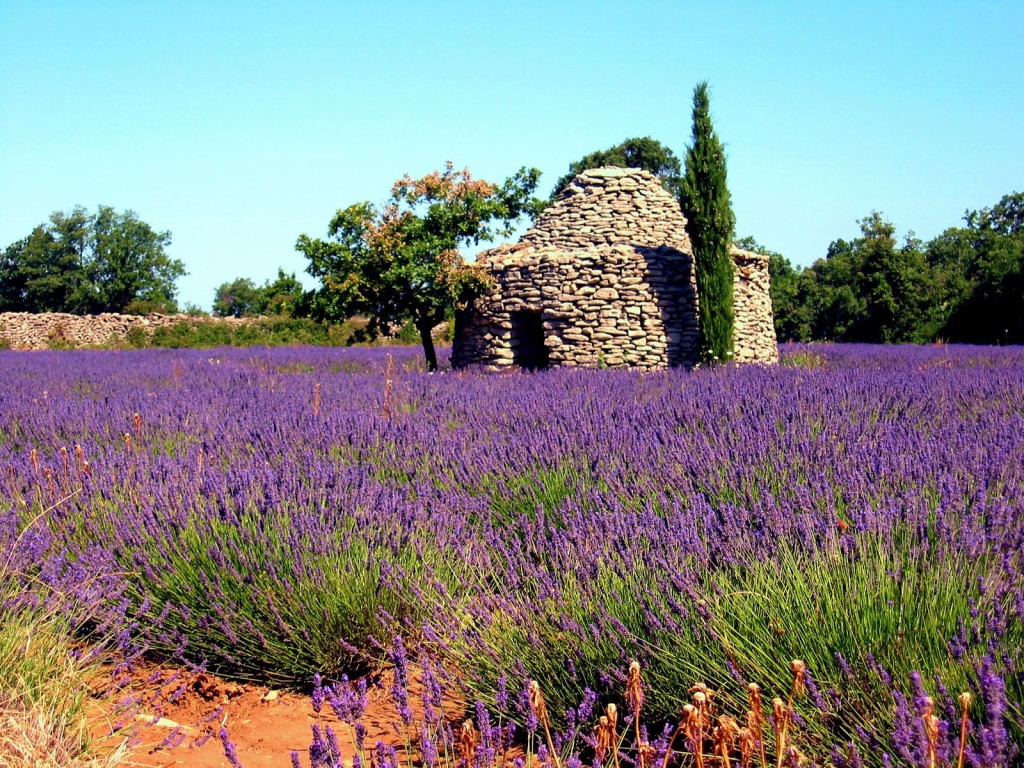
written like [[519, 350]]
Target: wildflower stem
[[965, 701], [668, 749], [551, 743]]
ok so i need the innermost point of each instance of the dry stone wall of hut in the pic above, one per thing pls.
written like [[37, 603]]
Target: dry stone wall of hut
[[25, 330], [605, 278]]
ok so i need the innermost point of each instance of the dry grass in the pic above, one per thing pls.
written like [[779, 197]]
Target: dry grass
[[45, 696], [44, 682], [39, 737]]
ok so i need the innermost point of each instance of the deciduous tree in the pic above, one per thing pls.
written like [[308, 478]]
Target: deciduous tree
[[280, 296], [966, 285], [237, 298], [646, 153], [85, 263], [989, 253], [401, 261], [241, 297], [129, 262]]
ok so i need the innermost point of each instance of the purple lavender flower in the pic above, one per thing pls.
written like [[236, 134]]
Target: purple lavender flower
[[233, 514], [319, 752], [501, 694], [428, 748], [332, 745], [530, 717], [316, 698], [433, 693], [400, 682], [347, 700], [229, 749]]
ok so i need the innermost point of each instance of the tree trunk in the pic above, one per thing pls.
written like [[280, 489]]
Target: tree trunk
[[425, 328]]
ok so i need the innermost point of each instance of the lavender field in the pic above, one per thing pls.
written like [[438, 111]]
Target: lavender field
[[282, 513]]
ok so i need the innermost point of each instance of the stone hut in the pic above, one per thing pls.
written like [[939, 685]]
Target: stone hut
[[605, 278]]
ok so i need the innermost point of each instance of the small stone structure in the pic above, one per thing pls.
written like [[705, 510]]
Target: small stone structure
[[25, 330], [605, 277]]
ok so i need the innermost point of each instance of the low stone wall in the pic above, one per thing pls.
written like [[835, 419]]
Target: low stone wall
[[25, 330]]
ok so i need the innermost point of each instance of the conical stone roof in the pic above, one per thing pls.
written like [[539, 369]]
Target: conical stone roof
[[611, 206]]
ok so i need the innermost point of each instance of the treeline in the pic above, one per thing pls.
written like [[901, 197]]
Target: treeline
[[241, 297], [86, 263], [966, 285]]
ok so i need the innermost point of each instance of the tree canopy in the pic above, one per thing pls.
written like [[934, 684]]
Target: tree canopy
[[241, 297], [84, 263], [706, 204], [401, 261], [646, 153], [966, 285]]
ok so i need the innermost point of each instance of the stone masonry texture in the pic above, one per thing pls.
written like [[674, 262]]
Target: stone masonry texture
[[24, 330], [605, 278]]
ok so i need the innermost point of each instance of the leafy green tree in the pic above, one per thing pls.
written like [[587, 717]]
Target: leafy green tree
[[15, 273], [85, 263], [282, 295], [237, 298], [912, 311], [49, 271], [871, 289], [707, 205], [646, 153], [241, 297], [129, 262], [1005, 218], [838, 297], [951, 257], [986, 264], [401, 261], [883, 280], [965, 285]]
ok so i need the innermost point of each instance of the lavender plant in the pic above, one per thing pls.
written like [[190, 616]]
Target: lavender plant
[[279, 512]]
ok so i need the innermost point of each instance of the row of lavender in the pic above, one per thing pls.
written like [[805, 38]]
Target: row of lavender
[[279, 513]]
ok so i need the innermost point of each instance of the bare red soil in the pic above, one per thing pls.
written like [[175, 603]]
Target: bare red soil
[[174, 716]]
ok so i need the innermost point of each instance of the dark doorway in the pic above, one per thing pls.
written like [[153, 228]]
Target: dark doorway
[[528, 350]]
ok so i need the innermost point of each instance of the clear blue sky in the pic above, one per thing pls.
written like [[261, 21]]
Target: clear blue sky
[[240, 125]]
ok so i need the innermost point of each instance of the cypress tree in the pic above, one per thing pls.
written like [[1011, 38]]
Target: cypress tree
[[704, 198]]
